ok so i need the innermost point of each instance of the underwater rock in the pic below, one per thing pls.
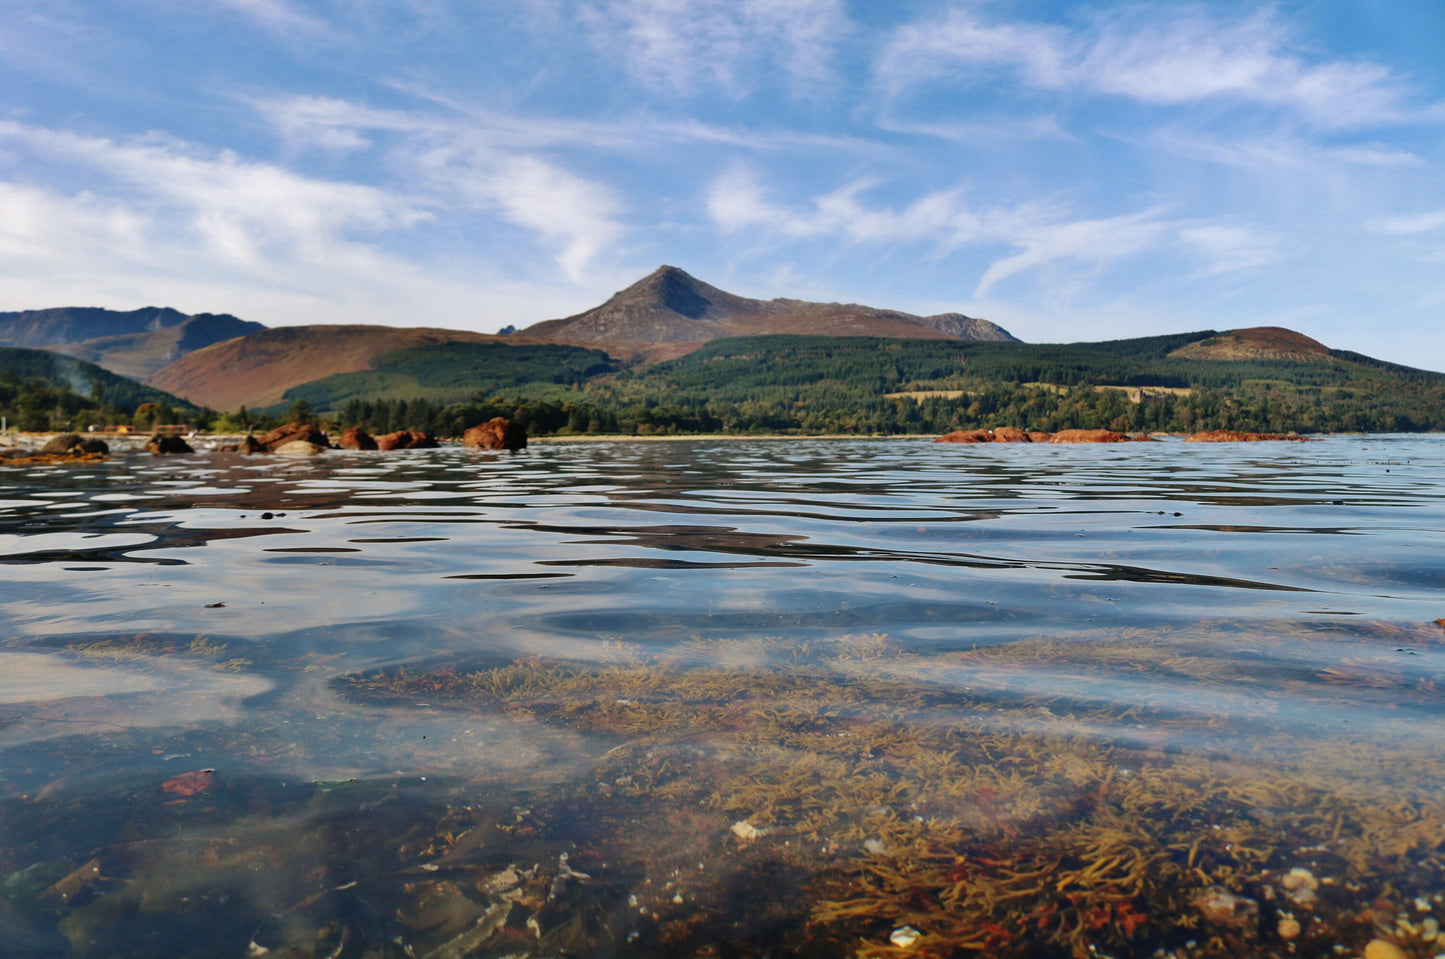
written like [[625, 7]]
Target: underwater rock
[[1223, 908], [289, 433], [1288, 928], [356, 438], [497, 433], [1383, 949], [746, 831], [300, 448], [167, 445], [407, 440]]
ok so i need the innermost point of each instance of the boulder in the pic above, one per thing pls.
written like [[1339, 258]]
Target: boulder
[[63, 443], [1010, 434], [406, 440], [165, 445], [300, 448], [497, 433], [289, 433], [1088, 436], [92, 445], [964, 436], [1235, 436], [356, 438], [1036, 436]]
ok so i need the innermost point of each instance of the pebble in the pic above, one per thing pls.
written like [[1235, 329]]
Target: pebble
[[746, 831], [905, 937], [1381, 949], [1288, 928]]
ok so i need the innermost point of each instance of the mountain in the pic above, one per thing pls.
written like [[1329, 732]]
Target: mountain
[[258, 369], [669, 313], [1256, 343], [141, 355], [37, 329], [137, 343]]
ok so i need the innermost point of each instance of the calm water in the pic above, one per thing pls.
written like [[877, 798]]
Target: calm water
[[399, 704]]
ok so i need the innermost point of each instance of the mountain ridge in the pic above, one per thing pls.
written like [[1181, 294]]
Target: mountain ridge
[[669, 312]]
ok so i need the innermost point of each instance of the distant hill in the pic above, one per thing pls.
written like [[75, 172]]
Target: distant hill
[[670, 313], [135, 343], [257, 370], [20, 366]]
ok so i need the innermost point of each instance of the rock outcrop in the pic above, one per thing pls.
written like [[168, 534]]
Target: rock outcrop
[[406, 440], [73, 444], [1088, 436], [300, 448], [289, 433], [1235, 436], [497, 433], [965, 436], [356, 438], [1010, 434], [164, 444]]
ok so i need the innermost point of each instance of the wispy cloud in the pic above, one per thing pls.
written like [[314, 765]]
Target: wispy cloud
[[695, 46], [1409, 225], [1151, 55], [275, 15], [1040, 233]]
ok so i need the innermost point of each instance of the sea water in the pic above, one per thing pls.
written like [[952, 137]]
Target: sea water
[[726, 697]]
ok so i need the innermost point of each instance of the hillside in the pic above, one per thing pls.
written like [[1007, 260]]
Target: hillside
[[72, 324], [670, 313], [257, 370], [35, 385]]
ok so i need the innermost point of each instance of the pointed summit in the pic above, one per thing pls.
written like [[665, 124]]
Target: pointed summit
[[670, 312]]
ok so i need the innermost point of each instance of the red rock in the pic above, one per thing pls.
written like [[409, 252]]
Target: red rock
[[497, 433], [289, 433], [1235, 436], [965, 436], [1011, 434], [1088, 436], [1037, 436], [406, 440], [356, 438]]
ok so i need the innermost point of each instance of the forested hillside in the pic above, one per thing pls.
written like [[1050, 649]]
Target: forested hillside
[[881, 385]]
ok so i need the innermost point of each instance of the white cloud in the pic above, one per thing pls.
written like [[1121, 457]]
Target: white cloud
[[245, 212], [1177, 58], [1410, 225], [698, 46]]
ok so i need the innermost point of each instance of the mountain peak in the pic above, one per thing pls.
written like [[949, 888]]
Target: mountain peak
[[669, 312]]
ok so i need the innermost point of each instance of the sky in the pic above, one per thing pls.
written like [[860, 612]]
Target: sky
[[1071, 171]]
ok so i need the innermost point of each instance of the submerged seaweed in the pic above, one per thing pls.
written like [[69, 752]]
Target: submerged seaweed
[[985, 823]]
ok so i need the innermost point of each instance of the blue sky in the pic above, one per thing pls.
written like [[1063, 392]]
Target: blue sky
[[1071, 171]]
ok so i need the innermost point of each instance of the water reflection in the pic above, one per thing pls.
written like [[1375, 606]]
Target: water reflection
[[914, 673]]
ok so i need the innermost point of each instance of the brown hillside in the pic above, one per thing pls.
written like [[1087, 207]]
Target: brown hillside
[[256, 370], [1256, 343], [669, 313]]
